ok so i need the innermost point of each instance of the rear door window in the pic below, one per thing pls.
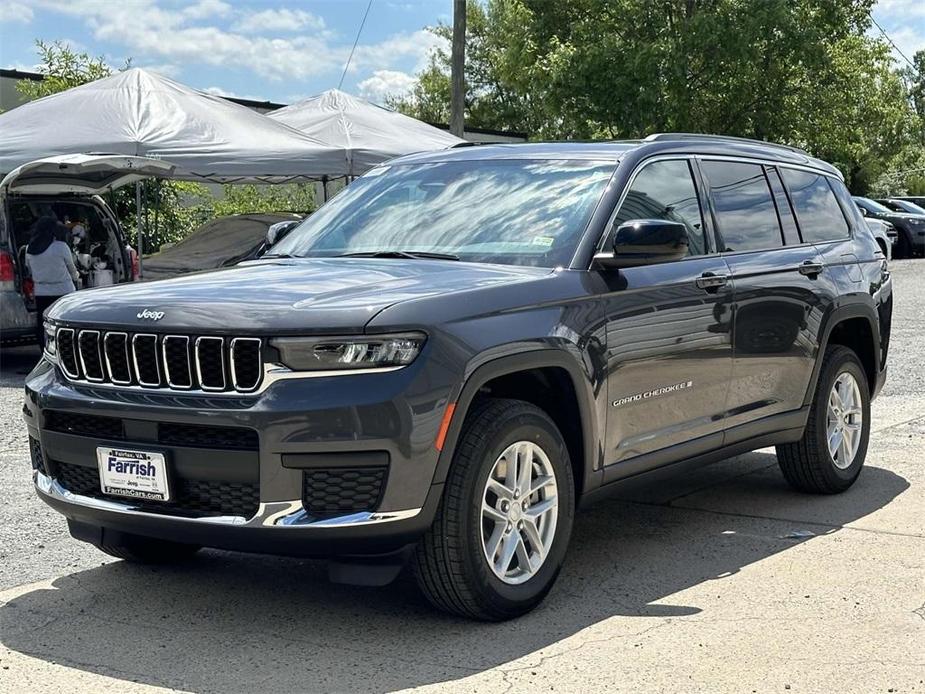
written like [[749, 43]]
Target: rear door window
[[817, 210], [743, 205]]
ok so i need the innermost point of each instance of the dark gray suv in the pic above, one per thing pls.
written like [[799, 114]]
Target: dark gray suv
[[450, 357]]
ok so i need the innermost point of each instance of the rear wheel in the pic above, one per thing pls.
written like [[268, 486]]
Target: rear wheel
[[829, 457], [500, 535], [147, 550]]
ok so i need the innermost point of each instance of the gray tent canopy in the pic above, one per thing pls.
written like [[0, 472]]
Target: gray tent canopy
[[140, 113], [365, 134]]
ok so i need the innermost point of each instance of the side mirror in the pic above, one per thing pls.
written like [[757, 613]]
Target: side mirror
[[277, 231], [864, 212], [645, 242]]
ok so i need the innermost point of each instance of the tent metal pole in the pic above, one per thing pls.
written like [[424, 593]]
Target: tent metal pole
[[138, 228], [324, 187]]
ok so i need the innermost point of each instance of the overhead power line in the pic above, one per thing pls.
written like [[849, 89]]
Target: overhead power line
[[355, 42], [892, 42]]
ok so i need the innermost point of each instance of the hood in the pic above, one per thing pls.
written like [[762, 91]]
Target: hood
[[280, 296], [84, 174]]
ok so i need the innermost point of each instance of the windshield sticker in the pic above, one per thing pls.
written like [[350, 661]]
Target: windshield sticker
[[544, 241], [654, 393]]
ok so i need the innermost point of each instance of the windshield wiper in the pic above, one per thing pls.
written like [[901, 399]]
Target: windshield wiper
[[276, 255], [414, 255]]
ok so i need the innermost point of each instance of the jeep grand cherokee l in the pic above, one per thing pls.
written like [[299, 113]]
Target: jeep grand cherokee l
[[447, 359]]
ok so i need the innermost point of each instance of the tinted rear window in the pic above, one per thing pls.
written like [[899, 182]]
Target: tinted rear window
[[818, 212], [744, 208]]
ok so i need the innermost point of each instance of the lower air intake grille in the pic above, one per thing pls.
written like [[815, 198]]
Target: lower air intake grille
[[328, 491], [194, 498], [83, 424], [227, 438], [38, 460]]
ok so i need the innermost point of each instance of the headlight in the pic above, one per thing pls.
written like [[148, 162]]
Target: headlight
[[362, 352], [51, 347]]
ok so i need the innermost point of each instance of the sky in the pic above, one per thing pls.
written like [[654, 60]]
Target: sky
[[279, 50]]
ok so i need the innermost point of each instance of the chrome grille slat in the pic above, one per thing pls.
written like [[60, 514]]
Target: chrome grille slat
[[205, 363], [245, 371], [177, 368], [88, 347], [116, 354], [144, 346], [66, 342]]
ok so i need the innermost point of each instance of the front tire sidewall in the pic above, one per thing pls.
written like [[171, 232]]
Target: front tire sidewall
[[506, 596]]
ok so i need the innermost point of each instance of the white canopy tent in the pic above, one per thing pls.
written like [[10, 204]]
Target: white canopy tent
[[140, 113], [365, 134]]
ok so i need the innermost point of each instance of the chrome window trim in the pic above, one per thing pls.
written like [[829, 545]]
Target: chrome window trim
[[231, 360], [282, 515], [687, 156], [128, 360], [157, 363], [74, 350], [189, 366], [83, 364], [202, 386]]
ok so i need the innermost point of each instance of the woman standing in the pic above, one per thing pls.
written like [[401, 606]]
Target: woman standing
[[52, 267]]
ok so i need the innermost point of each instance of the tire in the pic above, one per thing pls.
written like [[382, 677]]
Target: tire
[[808, 465], [147, 550], [451, 565], [903, 245]]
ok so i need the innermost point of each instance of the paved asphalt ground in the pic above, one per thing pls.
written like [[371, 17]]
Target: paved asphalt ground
[[720, 581]]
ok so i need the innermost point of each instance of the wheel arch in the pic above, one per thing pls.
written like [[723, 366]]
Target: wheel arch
[[500, 377], [854, 326]]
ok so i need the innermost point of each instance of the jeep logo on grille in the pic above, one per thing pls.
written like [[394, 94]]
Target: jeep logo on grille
[[150, 315]]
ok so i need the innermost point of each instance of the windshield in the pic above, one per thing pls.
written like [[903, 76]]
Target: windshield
[[514, 212], [872, 206], [906, 206]]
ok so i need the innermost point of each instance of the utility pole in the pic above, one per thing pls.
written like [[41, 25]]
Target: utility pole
[[458, 69]]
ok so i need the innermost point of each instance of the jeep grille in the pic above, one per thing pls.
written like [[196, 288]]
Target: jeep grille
[[173, 362]]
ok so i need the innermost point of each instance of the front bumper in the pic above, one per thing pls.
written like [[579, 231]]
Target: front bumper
[[318, 420]]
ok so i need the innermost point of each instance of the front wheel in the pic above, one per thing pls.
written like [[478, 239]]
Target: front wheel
[[500, 535], [829, 457]]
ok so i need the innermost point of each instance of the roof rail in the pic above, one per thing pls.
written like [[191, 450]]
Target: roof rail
[[657, 137]]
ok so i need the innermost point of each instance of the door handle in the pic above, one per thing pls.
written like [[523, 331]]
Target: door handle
[[810, 268], [711, 281]]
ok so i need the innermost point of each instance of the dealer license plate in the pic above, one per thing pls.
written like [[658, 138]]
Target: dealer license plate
[[137, 474]]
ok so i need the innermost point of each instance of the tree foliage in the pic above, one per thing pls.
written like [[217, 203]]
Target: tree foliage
[[63, 68], [802, 72]]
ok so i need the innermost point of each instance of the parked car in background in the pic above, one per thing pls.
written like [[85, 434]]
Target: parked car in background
[[65, 187], [900, 205], [884, 233], [910, 228], [218, 243], [915, 199]]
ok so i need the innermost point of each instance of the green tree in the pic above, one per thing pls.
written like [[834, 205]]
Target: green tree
[[802, 72], [63, 68]]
